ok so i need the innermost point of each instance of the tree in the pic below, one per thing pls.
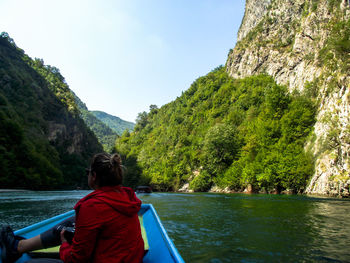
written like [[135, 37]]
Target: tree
[[153, 109], [220, 148], [141, 121]]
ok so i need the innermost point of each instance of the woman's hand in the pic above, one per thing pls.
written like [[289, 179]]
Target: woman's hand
[[63, 239]]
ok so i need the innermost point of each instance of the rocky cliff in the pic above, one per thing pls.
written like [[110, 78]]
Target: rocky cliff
[[305, 45]]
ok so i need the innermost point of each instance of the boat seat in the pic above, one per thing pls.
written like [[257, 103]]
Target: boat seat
[[144, 234]]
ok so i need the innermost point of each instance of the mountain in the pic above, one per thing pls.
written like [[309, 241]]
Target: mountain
[[224, 133], [44, 142], [103, 132], [305, 45], [115, 123], [274, 119]]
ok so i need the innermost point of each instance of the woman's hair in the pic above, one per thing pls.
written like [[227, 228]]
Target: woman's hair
[[108, 169]]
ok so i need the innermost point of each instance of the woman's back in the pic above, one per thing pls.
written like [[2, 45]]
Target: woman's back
[[107, 227]]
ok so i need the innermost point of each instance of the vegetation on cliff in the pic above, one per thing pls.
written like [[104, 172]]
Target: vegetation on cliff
[[44, 142], [225, 132]]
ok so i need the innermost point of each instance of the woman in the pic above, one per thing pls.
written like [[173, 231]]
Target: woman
[[107, 228]]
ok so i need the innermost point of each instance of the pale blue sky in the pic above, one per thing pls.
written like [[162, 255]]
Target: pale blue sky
[[122, 56]]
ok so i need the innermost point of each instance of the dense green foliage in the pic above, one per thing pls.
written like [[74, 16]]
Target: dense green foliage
[[44, 142], [115, 123], [231, 133]]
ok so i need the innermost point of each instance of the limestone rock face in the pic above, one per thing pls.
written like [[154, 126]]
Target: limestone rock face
[[298, 43], [254, 12], [70, 136]]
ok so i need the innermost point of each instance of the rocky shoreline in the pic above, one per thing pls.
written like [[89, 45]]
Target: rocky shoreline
[[227, 190], [215, 189]]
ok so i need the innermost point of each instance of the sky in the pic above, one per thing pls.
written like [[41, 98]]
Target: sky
[[121, 56]]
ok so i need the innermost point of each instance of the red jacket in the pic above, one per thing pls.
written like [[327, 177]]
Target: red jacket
[[107, 228]]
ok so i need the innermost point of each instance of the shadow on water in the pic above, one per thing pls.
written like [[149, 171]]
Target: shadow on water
[[215, 228]]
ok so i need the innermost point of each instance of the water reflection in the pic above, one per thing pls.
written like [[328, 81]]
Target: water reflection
[[331, 230], [255, 228], [20, 209], [222, 227]]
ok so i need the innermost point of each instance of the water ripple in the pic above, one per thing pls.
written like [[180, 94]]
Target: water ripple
[[222, 227]]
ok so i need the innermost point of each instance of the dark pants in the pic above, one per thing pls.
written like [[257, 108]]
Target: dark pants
[[52, 237]]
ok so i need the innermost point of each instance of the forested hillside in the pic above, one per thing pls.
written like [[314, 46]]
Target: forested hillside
[[44, 142], [233, 134]]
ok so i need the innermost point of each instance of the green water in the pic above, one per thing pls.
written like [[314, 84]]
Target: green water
[[222, 227]]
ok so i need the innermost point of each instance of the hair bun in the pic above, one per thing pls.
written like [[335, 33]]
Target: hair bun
[[115, 160]]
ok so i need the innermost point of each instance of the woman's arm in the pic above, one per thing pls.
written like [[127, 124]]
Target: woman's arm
[[87, 227]]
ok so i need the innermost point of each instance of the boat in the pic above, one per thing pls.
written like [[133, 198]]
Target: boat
[[143, 189], [159, 247]]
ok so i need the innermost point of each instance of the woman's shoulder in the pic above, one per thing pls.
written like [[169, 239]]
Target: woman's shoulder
[[92, 205]]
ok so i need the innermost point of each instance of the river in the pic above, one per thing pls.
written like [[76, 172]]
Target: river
[[215, 228]]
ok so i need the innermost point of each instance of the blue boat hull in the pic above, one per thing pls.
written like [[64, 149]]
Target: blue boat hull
[[160, 246]]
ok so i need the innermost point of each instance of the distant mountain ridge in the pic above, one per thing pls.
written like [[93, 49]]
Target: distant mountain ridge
[[115, 123], [103, 132], [106, 127]]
